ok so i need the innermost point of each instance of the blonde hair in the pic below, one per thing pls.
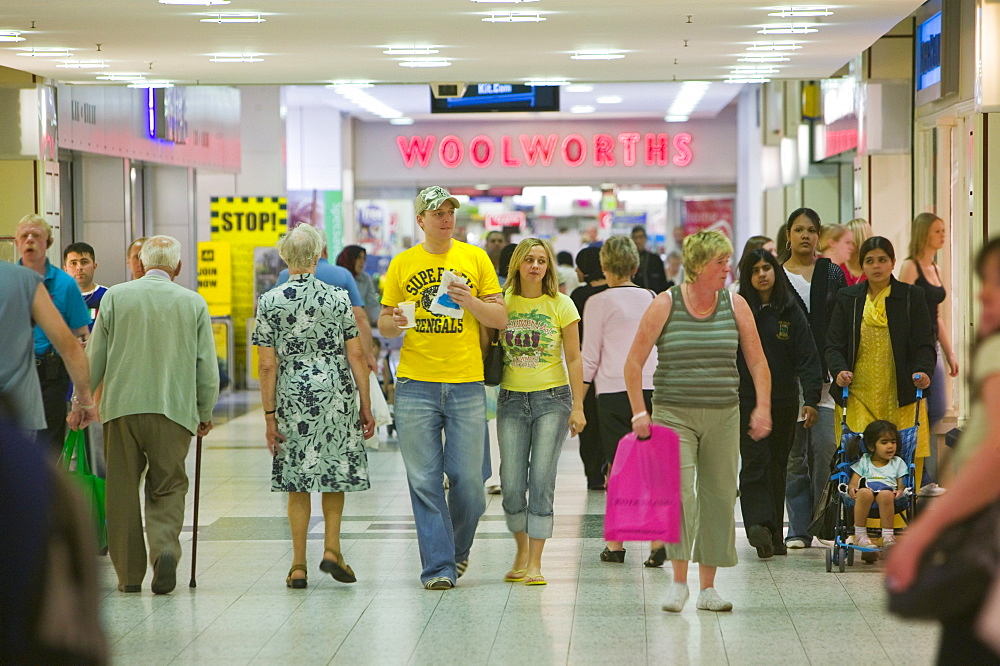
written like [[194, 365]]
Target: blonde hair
[[550, 282], [701, 248], [831, 232], [620, 256], [36, 220], [918, 233], [862, 231]]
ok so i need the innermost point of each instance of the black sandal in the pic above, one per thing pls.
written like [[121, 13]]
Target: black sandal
[[337, 568], [297, 583], [656, 557], [613, 555]]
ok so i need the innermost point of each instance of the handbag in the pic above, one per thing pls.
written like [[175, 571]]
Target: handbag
[[644, 489], [955, 572], [493, 363], [91, 485]]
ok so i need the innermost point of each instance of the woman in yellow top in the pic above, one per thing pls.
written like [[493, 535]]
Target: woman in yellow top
[[880, 343], [537, 399]]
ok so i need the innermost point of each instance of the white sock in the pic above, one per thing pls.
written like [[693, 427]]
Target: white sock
[[860, 532], [888, 532]]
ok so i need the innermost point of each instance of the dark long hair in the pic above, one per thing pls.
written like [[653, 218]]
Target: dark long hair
[[348, 257], [784, 250], [866, 440], [781, 295], [876, 243]]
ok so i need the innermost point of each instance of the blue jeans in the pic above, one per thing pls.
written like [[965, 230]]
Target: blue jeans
[[445, 527], [808, 472], [532, 427]]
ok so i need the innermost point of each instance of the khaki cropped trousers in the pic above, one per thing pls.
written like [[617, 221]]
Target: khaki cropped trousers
[[131, 443], [710, 454]]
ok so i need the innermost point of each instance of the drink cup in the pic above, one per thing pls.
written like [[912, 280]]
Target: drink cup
[[409, 309]]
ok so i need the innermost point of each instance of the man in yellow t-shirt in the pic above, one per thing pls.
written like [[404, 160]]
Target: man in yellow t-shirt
[[439, 384]]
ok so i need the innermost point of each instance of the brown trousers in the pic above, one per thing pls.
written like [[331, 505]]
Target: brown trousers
[[130, 444]]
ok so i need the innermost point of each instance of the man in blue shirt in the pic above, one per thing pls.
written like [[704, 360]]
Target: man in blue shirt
[[32, 238], [338, 276]]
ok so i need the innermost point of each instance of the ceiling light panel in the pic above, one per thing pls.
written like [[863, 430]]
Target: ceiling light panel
[[360, 98], [579, 88], [597, 55], [538, 83], [688, 98], [11, 36], [514, 17], [788, 29], [121, 76], [236, 57], [582, 108], [609, 99], [203, 3], [806, 11], [234, 17], [775, 46], [426, 62], [84, 64], [46, 53], [409, 51]]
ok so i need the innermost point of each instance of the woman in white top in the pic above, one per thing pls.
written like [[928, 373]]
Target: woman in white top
[[611, 319]]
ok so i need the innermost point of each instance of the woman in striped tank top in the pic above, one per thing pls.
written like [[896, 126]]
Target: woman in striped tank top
[[697, 328]]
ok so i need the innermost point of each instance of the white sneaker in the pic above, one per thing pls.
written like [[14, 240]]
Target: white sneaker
[[863, 542], [796, 543], [710, 600], [931, 490], [676, 598]]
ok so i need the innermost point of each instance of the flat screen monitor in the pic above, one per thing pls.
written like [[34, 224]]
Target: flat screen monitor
[[499, 97]]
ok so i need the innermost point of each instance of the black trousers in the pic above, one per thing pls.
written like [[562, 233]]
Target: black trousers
[[960, 645], [55, 383], [590, 439], [615, 415], [764, 467]]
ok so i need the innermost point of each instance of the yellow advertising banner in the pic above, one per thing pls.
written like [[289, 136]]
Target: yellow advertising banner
[[246, 224], [215, 272]]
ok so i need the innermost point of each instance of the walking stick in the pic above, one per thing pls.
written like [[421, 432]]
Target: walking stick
[[197, 492]]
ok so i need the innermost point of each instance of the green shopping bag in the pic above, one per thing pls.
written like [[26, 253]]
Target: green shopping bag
[[91, 485]]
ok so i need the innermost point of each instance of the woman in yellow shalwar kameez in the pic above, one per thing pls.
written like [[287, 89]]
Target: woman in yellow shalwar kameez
[[880, 343]]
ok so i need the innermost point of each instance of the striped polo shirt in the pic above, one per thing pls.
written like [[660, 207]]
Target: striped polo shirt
[[697, 357]]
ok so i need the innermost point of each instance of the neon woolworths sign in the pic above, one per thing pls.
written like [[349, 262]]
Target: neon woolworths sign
[[573, 150]]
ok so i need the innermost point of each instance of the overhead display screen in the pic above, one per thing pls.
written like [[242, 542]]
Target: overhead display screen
[[490, 97], [929, 52]]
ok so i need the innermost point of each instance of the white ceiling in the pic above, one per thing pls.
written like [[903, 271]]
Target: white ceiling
[[319, 41]]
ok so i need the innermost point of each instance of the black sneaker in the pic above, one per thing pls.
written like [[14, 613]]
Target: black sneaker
[[780, 548], [164, 574], [760, 538]]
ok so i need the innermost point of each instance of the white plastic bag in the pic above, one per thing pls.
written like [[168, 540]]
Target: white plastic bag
[[380, 408], [443, 303]]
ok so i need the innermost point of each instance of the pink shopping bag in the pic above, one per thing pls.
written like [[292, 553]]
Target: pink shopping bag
[[644, 489]]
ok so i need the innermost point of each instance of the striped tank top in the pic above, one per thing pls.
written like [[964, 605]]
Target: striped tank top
[[697, 357]]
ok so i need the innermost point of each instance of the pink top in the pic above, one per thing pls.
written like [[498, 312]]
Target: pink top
[[851, 280], [610, 322]]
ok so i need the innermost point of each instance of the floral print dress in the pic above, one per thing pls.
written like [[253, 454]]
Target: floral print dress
[[308, 323]]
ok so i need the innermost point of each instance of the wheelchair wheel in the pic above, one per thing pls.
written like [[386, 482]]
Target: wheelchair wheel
[[828, 555], [842, 560], [850, 557]]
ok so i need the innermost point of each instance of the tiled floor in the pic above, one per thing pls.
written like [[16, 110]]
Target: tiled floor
[[787, 610]]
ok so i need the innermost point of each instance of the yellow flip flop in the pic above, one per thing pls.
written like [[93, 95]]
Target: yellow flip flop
[[535, 580], [515, 575]]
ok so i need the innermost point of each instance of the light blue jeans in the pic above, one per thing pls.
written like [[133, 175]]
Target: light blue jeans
[[532, 427], [445, 526], [809, 472]]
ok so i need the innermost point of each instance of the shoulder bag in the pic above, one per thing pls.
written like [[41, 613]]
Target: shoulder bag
[[493, 363], [955, 572]]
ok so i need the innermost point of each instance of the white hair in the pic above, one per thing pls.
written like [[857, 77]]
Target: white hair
[[301, 247], [161, 252]]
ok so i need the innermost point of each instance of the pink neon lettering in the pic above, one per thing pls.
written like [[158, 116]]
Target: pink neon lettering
[[416, 148], [682, 149], [628, 141], [506, 157], [581, 150], [604, 150], [657, 149], [534, 148], [481, 151], [451, 151]]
